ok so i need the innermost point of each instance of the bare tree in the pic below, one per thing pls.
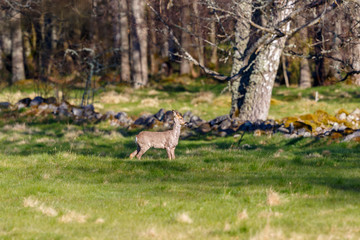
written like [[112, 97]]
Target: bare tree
[[139, 44], [18, 70], [124, 41]]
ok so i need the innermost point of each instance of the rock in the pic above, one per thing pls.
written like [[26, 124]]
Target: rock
[[142, 120], [89, 111], [53, 108], [122, 116], [187, 115], [204, 128], [352, 136], [342, 116], [283, 130], [5, 105], [43, 106], [160, 114], [246, 126], [168, 117], [290, 135], [100, 116], [150, 122], [36, 101], [196, 121], [342, 127], [110, 115], [78, 112], [218, 120], [226, 124], [50, 100], [236, 123], [291, 128], [335, 127], [65, 106], [307, 134], [25, 102], [89, 108]]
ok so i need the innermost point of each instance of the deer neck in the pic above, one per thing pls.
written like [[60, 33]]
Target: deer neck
[[176, 129]]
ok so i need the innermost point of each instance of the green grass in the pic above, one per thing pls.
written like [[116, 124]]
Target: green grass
[[215, 189], [65, 181]]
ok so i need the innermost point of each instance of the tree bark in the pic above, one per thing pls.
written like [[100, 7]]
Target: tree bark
[[199, 41], [214, 56], [305, 73], [355, 52], [185, 65], [153, 44], [139, 45], [124, 42], [242, 31], [257, 82], [18, 70]]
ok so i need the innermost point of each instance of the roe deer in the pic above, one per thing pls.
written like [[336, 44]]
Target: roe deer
[[168, 139]]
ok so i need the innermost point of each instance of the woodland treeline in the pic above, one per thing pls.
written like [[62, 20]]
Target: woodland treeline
[[249, 44]]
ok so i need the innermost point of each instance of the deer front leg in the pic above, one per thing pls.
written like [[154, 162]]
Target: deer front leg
[[172, 153], [168, 150]]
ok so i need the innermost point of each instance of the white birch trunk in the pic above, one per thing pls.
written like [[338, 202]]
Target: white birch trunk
[[256, 84]]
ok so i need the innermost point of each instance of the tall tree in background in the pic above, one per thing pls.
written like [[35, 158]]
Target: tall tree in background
[[185, 65], [139, 44], [18, 70], [355, 48], [305, 73]]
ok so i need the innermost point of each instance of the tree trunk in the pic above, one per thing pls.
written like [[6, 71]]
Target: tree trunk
[[124, 42], [153, 44], [214, 56], [257, 82], [185, 65], [242, 31], [199, 41], [18, 71], [305, 73], [356, 57], [139, 45]]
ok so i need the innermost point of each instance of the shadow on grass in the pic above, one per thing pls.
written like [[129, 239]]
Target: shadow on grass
[[309, 161]]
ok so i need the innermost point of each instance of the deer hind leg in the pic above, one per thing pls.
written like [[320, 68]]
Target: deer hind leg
[[133, 154], [141, 151]]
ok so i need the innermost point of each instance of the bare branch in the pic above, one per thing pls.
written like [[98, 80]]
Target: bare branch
[[186, 54]]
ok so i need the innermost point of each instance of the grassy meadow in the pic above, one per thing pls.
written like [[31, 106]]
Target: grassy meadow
[[64, 181]]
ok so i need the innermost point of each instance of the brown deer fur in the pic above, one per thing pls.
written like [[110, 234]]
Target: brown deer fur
[[167, 140]]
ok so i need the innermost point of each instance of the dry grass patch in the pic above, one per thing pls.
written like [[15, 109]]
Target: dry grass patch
[[184, 218], [16, 127], [242, 215], [150, 102], [113, 135], [223, 100], [40, 207], [203, 97], [273, 198], [114, 97], [45, 140], [73, 216]]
